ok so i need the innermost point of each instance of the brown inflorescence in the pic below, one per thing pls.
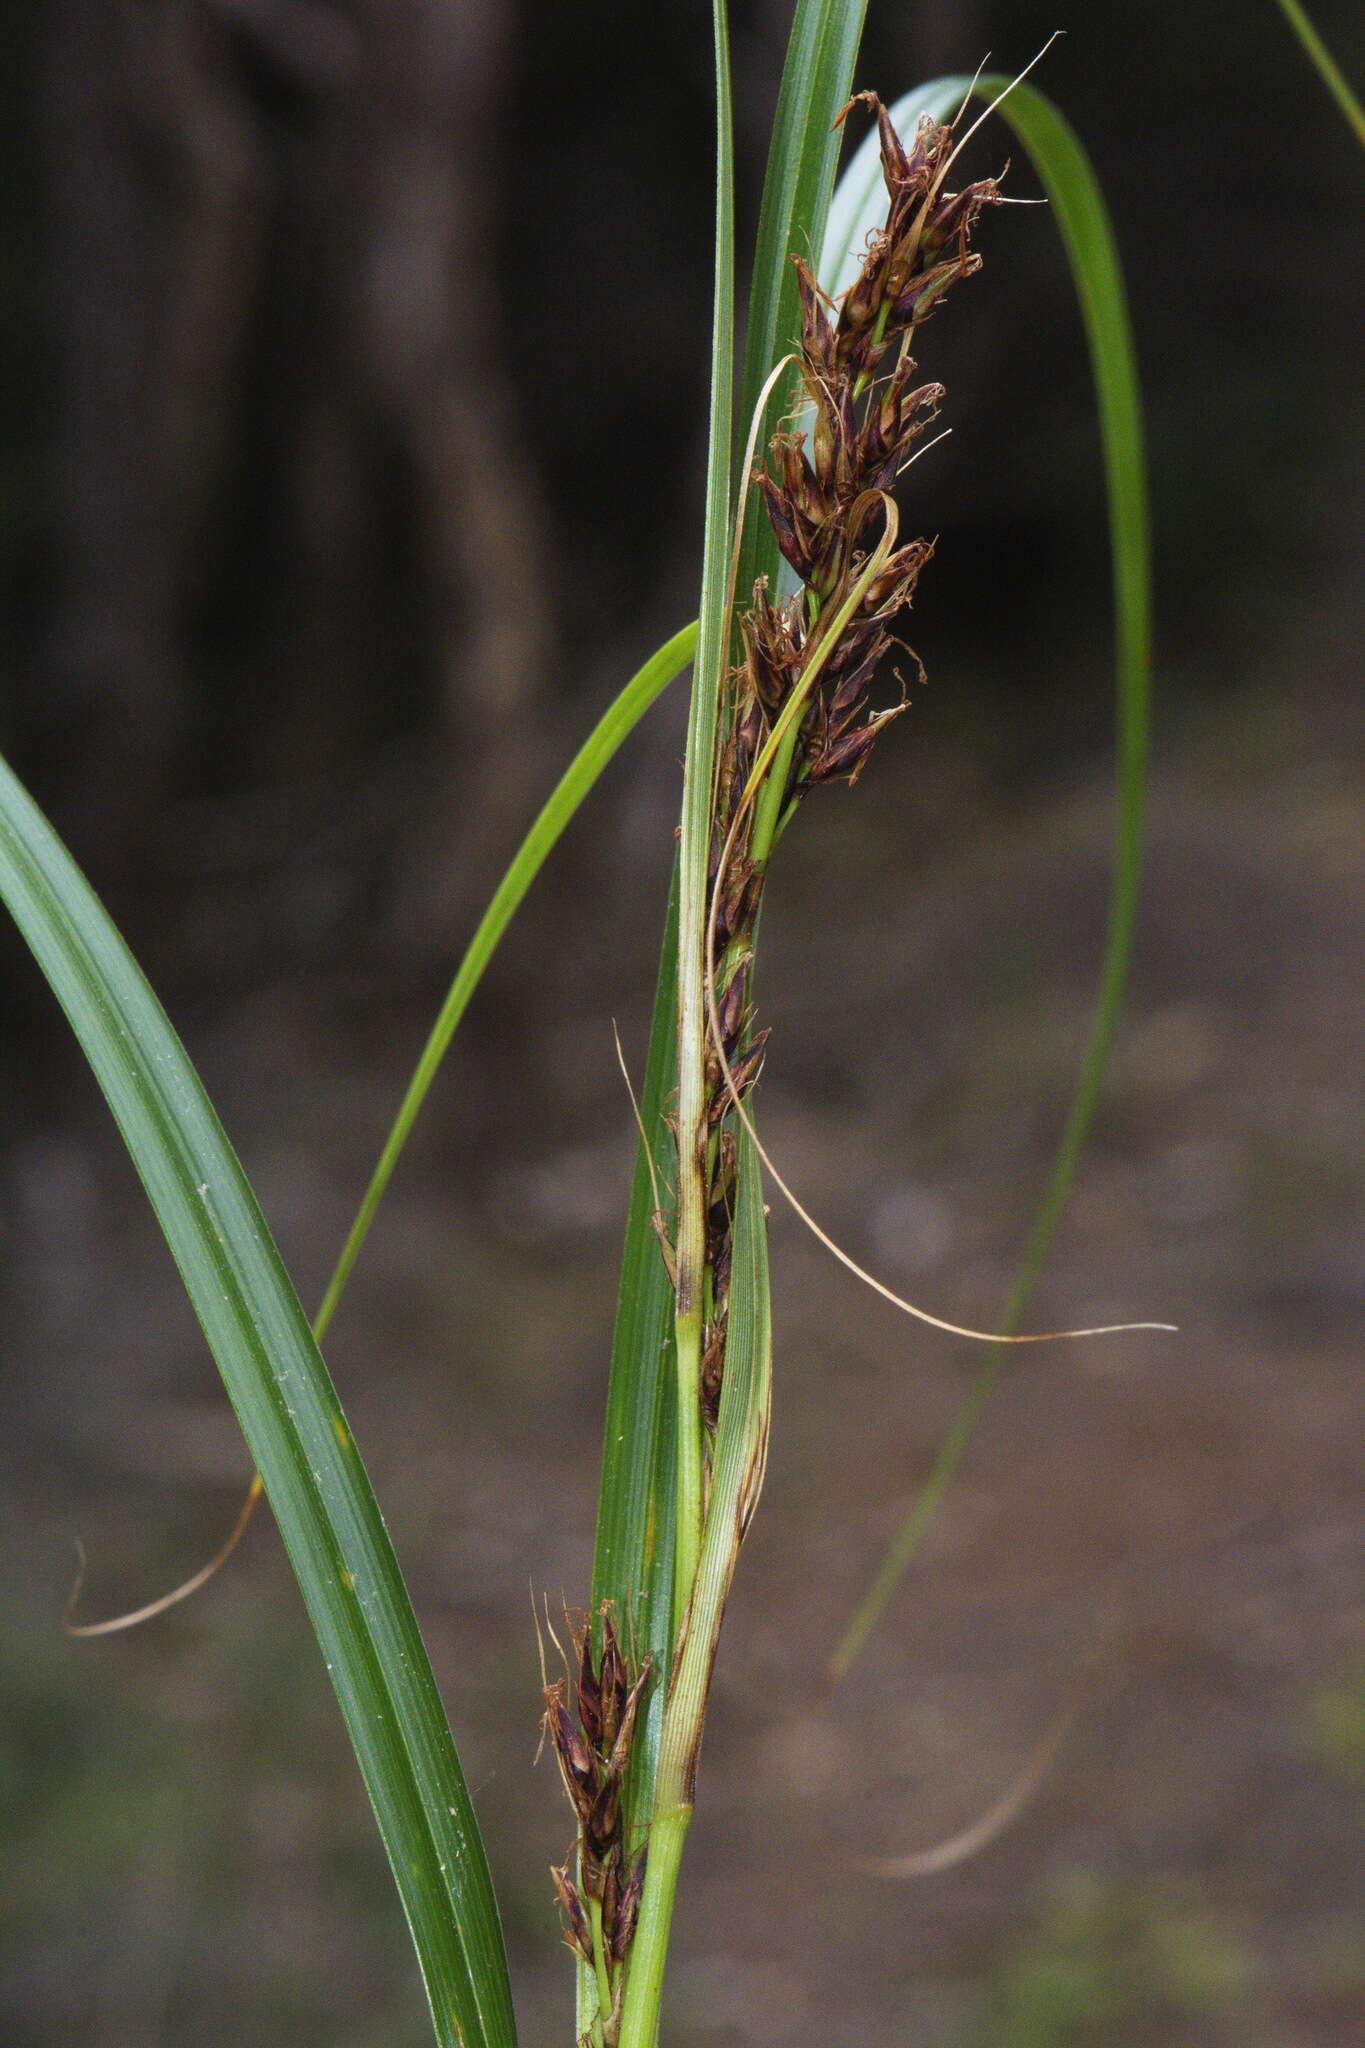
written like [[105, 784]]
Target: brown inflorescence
[[592, 1741], [825, 489]]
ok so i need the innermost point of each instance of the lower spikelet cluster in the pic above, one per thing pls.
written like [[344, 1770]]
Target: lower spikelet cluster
[[592, 1744]]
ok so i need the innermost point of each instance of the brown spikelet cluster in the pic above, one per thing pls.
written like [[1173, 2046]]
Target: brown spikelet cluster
[[826, 492], [592, 1740], [826, 495]]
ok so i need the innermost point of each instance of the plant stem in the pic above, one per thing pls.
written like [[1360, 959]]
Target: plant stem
[[817, 79], [599, 1959], [684, 1717], [687, 1545], [649, 1950], [740, 1451]]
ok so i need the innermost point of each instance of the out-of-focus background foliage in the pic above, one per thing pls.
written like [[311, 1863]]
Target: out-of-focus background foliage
[[355, 360]]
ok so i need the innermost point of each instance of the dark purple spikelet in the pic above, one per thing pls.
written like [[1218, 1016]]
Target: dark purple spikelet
[[592, 1748], [825, 488]]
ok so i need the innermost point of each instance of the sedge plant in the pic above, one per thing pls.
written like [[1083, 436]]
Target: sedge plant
[[806, 583]]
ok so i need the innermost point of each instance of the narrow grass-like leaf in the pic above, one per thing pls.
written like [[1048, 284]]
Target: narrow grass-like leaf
[[815, 85], [560, 807], [292, 1422], [1325, 64], [817, 79], [1083, 222], [634, 1545], [633, 1564], [675, 1485], [694, 840]]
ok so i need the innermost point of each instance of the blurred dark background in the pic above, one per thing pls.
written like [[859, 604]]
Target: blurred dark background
[[353, 416]]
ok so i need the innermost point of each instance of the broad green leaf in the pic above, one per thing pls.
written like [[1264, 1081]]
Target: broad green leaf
[[291, 1419], [1082, 220]]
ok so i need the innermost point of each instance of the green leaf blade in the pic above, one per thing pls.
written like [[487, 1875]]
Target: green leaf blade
[[292, 1421], [817, 79], [1326, 65], [694, 839], [633, 1561], [619, 720]]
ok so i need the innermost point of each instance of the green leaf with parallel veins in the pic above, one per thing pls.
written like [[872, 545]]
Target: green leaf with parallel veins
[[292, 1421]]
